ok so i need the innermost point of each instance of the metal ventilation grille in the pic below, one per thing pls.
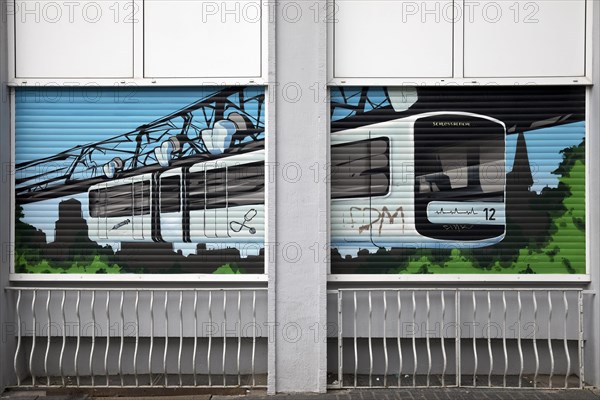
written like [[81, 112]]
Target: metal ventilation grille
[[458, 180], [166, 180]]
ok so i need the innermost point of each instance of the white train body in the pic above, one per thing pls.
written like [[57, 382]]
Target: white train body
[[425, 181], [219, 203], [397, 199]]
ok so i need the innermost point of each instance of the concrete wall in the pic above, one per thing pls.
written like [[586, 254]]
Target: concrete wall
[[301, 120]]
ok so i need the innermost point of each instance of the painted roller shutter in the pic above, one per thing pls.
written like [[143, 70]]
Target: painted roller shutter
[[479, 180], [103, 181]]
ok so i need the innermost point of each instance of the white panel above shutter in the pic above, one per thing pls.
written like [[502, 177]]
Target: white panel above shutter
[[83, 39], [202, 39], [379, 39], [525, 39]]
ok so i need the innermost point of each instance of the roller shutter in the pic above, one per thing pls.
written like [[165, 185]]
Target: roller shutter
[[477, 180], [105, 180]]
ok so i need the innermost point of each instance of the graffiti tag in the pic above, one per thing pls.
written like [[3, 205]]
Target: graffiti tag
[[379, 217]]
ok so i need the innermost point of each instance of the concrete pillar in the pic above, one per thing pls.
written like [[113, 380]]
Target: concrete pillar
[[298, 286]]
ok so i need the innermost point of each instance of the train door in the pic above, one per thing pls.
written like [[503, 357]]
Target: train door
[[140, 198], [388, 207], [376, 181], [100, 210], [211, 177], [215, 205], [170, 199], [194, 193], [360, 183], [222, 219]]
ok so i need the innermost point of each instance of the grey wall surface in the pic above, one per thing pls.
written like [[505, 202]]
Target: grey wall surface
[[301, 130]]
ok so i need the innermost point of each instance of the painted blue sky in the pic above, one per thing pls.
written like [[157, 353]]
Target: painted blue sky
[[51, 120], [543, 145], [543, 148]]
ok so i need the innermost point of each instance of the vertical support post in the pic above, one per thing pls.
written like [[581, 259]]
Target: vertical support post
[[7, 317], [355, 339], [458, 337], [580, 342], [592, 302], [443, 338], [302, 199], [340, 339]]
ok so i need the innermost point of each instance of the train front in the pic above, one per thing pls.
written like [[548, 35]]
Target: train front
[[460, 179]]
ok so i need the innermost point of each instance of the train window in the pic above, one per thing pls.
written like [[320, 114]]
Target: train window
[[246, 184], [446, 169], [492, 166], [116, 201], [141, 198], [216, 188], [120, 200], [195, 190], [96, 199], [451, 161], [239, 185], [477, 167], [360, 169], [170, 194]]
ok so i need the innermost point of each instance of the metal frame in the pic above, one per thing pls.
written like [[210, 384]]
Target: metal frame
[[269, 239], [460, 339], [461, 278], [524, 279], [125, 278]]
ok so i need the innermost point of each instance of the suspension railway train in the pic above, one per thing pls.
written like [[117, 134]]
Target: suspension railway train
[[217, 200], [427, 180]]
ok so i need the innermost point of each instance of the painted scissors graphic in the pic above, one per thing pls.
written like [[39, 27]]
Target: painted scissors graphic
[[238, 226]]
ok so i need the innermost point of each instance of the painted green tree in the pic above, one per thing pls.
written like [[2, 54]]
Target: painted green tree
[[557, 246]]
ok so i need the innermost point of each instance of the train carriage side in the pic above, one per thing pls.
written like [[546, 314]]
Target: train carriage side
[[226, 202], [364, 161], [426, 180], [219, 203], [121, 210]]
